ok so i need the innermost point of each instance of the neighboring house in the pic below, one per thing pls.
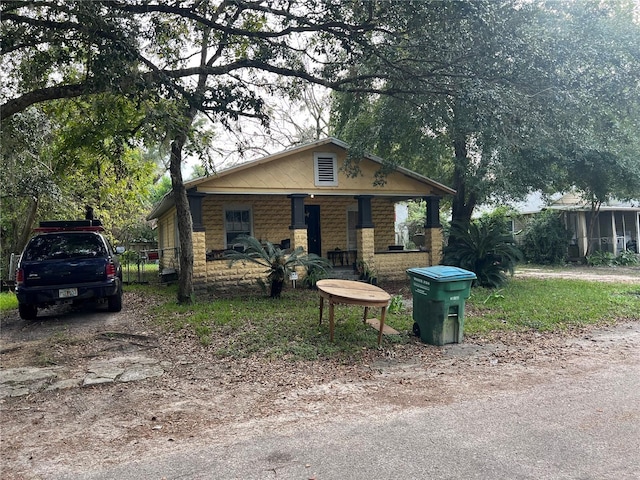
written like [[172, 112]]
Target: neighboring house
[[616, 228], [301, 197]]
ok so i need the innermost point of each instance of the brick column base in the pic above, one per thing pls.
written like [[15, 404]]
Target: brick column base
[[299, 238], [433, 243], [199, 260]]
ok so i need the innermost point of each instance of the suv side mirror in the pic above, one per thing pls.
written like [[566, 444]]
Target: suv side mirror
[[120, 250]]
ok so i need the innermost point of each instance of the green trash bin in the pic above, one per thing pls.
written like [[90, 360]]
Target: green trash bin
[[439, 295]]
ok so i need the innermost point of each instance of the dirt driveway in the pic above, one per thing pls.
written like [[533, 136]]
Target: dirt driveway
[[80, 410]]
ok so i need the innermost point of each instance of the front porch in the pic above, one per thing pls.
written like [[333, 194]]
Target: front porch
[[342, 222]]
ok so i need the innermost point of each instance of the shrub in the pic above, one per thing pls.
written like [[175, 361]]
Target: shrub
[[278, 262], [628, 258], [546, 240], [601, 259], [485, 249]]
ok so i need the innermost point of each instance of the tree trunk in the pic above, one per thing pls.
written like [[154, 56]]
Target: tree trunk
[[183, 212], [463, 202], [595, 212], [27, 226], [276, 288]]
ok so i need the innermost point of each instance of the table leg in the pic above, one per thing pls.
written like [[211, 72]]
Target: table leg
[[330, 320], [321, 307], [366, 313], [383, 312]]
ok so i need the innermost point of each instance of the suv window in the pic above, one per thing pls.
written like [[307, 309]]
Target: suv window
[[70, 245]]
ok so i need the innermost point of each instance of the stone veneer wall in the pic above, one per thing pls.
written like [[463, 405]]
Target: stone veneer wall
[[333, 220], [222, 278], [271, 217], [384, 217], [366, 241], [199, 261], [392, 266], [299, 238], [433, 242]]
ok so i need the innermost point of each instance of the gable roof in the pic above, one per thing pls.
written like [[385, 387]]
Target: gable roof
[[291, 171]]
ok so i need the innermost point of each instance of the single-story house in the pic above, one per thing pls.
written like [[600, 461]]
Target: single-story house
[[616, 228], [302, 197]]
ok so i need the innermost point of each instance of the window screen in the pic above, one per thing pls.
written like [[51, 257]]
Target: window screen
[[237, 222]]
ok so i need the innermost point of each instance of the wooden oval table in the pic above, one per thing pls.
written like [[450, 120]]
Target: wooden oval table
[[349, 292]]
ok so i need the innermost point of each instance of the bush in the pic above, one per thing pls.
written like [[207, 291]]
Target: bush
[[546, 240], [601, 259], [485, 249], [627, 258]]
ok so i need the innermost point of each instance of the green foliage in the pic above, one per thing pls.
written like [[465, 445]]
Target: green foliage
[[279, 262], [493, 101], [546, 239], [485, 249], [8, 301], [601, 258], [288, 329], [396, 305], [313, 274], [628, 258]]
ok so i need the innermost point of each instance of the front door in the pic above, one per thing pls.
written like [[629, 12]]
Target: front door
[[312, 220]]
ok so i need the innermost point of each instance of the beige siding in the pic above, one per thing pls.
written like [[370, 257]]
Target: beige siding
[[281, 174], [167, 240]]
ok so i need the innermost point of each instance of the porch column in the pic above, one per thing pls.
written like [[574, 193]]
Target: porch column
[[581, 234], [365, 231], [433, 229], [298, 225]]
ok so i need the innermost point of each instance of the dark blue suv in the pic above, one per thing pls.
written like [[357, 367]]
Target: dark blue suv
[[68, 262]]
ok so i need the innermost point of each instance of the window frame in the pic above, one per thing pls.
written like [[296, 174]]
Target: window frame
[[234, 208]]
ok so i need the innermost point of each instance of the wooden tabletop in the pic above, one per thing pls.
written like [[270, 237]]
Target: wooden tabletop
[[350, 291]]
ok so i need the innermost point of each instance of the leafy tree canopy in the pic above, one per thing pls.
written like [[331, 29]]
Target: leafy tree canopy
[[500, 98]]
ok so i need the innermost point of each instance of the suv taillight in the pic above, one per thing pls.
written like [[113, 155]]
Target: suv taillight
[[19, 276], [111, 270]]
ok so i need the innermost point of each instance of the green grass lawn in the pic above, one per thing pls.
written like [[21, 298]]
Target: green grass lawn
[[550, 305], [288, 327], [8, 301]]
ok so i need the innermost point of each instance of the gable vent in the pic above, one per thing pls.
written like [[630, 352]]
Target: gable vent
[[325, 166]]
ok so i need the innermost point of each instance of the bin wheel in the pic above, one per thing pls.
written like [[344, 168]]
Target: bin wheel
[[416, 329]]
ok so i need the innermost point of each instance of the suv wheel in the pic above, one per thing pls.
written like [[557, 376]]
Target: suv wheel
[[114, 302], [28, 311]]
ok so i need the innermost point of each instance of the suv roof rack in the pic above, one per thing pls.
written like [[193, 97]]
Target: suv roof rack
[[70, 225]]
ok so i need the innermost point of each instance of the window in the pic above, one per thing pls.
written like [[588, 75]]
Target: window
[[65, 246], [325, 169], [237, 221]]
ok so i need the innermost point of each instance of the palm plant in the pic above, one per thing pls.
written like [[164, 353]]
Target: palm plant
[[278, 262], [484, 248]]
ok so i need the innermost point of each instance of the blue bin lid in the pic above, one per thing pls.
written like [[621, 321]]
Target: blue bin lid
[[443, 273]]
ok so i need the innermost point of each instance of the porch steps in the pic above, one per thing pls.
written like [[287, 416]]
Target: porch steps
[[342, 274]]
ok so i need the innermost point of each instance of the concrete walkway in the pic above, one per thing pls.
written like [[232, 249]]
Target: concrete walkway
[[15, 382]]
